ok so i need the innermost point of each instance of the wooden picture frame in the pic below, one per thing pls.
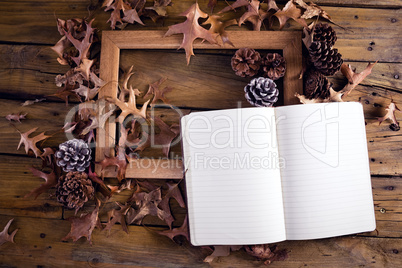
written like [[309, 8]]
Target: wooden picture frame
[[289, 42]]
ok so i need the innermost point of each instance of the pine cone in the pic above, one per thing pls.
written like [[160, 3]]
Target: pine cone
[[246, 62], [261, 92], [324, 33], [316, 85], [326, 60], [274, 66], [73, 155], [74, 189]]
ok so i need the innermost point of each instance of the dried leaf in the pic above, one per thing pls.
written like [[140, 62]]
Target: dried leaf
[[160, 7], [212, 4], [30, 143], [84, 225], [182, 230], [159, 94], [98, 121], [173, 192], [4, 236], [191, 30], [254, 14], [266, 253], [237, 4], [218, 27], [30, 102], [353, 80], [221, 251], [290, 11], [117, 161], [117, 216], [163, 139], [308, 35], [391, 109], [94, 177], [130, 14], [50, 181], [313, 10], [147, 205], [16, 117], [129, 107], [82, 46]]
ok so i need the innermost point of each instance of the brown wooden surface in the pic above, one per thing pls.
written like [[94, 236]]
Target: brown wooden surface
[[27, 71]]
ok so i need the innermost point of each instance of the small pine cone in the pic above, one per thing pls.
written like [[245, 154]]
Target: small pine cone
[[274, 66], [246, 62], [261, 92], [324, 33], [74, 189], [316, 85], [326, 60], [73, 155]]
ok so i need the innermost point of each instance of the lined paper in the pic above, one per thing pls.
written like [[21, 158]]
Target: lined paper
[[326, 179], [232, 177]]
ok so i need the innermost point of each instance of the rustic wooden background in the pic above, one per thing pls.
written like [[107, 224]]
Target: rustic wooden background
[[27, 71]]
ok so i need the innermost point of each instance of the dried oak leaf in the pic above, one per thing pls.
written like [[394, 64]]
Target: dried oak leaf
[[147, 204], [353, 80], [212, 4], [30, 143], [159, 94], [266, 253], [254, 14], [119, 162], [391, 109], [172, 192], [124, 90], [130, 14], [84, 225], [237, 4], [164, 138], [191, 30], [221, 251], [50, 181], [117, 216], [218, 27], [290, 11], [4, 236], [182, 230], [308, 33], [129, 107], [82, 46], [160, 7], [16, 117], [312, 10], [98, 120]]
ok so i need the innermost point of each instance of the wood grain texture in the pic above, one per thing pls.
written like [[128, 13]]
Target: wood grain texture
[[39, 244], [364, 25]]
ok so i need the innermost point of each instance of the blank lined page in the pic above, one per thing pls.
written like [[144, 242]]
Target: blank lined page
[[326, 179], [232, 177]]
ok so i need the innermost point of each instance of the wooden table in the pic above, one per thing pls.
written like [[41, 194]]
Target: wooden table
[[27, 71]]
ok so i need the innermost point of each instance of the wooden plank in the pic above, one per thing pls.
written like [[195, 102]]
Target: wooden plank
[[36, 24], [148, 168], [17, 181], [30, 72], [383, 144], [37, 242]]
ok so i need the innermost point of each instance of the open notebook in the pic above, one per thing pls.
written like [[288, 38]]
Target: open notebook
[[263, 175]]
